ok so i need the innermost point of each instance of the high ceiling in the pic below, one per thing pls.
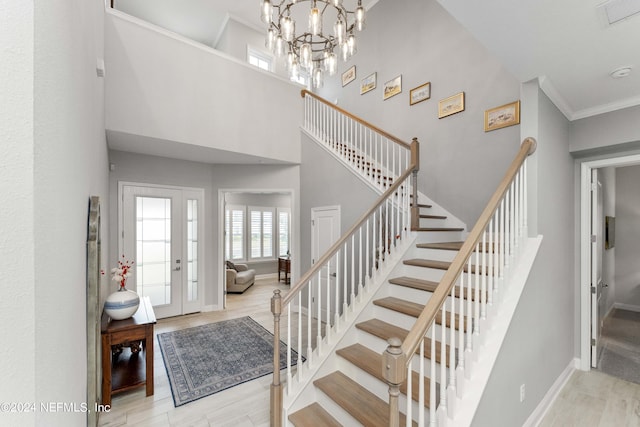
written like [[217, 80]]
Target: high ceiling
[[568, 44]]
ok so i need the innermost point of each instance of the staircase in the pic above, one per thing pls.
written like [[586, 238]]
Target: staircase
[[421, 306], [394, 304]]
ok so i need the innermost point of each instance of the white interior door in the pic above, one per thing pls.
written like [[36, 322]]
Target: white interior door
[[161, 231], [325, 231], [597, 247]]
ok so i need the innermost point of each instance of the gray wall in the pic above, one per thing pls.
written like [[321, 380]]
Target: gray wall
[[540, 342], [609, 129], [423, 43], [627, 272], [325, 182], [212, 178]]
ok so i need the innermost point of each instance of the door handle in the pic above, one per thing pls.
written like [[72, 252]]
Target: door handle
[[177, 268], [605, 285], [334, 275]]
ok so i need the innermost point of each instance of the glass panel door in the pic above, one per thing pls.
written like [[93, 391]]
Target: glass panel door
[[162, 234]]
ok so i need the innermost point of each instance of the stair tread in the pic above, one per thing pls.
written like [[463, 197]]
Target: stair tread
[[384, 330], [313, 415], [371, 362], [449, 246], [453, 246], [363, 405], [439, 265], [433, 216], [424, 285], [414, 309]]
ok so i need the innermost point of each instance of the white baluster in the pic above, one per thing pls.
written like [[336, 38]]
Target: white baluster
[[483, 272], [452, 344], [344, 282], [463, 325], [492, 266], [309, 317], [409, 411], [299, 359], [289, 347], [353, 270], [328, 295], [443, 359], [471, 321], [421, 390], [367, 253], [360, 272], [319, 303], [526, 200], [433, 421], [337, 287], [476, 311]]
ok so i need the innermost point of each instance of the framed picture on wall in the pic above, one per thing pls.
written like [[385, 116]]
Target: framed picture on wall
[[502, 116], [349, 76], [420, 93], [368, 83], [392, 87], [451, 105]]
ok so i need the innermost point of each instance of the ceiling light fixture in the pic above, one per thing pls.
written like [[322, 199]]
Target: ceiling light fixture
[[314, 50], [621, 72]]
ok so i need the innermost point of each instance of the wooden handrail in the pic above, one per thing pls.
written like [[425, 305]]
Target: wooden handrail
[[426, 318], [345, 236], [395, 139]]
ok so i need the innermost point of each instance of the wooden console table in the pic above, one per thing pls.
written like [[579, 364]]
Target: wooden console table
[[284, 265], [125, 369]]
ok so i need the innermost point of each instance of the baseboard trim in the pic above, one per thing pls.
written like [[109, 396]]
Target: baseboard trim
[[630, 307], [543, 407], [267, 276]]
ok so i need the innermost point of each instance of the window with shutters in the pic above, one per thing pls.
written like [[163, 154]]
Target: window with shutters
[[261, 230], [235, 232]]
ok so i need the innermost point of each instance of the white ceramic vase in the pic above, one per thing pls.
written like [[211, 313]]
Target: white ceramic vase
[[121, 304]]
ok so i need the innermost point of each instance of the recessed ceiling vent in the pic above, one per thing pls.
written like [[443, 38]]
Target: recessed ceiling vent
[[617, 10]]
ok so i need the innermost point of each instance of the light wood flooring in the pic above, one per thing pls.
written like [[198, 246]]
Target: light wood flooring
[[243, 405]]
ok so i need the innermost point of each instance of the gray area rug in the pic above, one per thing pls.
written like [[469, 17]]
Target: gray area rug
[[206, 359], [620, 355]]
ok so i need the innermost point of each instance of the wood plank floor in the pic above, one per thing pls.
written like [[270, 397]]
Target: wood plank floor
[[244, 405]]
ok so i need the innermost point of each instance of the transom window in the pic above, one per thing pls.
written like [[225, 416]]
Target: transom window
[[260, 59]]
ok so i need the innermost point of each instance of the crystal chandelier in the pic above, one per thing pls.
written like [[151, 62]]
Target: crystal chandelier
[[314, 51]]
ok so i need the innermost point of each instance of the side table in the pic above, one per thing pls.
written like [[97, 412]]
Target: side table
[[121, 373], [284, 265]]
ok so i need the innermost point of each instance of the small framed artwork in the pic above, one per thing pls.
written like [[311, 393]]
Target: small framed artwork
[[451, 105], [368, 83], [502, 116], [420, 93], [349, 76], [392, 87]]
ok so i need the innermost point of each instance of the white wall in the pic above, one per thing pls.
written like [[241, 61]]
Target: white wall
[[164, 86], [141, 168], [540, 341], [17, 216], [627, 272], [423, 43], [70, 165]]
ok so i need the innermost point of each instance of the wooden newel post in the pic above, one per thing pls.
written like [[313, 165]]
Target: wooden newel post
[[415, 159], [394, 371], [276, 386]]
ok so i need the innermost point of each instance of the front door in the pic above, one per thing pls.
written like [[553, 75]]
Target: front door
[[161, 231], [325, 231], [597, 247]]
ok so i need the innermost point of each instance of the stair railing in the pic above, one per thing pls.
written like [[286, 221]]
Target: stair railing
[[377, 155], [480, 265], [313, 310]]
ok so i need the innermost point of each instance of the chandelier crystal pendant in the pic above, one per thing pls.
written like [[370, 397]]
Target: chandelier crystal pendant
[[313, 51]]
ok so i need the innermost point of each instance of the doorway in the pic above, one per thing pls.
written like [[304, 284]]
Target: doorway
[[161, 231], [592, 292]]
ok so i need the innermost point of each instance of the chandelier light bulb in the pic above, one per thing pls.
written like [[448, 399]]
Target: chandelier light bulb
[[305, 56], [288, 28], [331, 63], [266, 10], [336, 3], [315, 21], [351, 43], [344, 51], [290, 58], [340, 31], [295, 70], [360, 21], [279, 46], [317, 80], [271, 39]]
